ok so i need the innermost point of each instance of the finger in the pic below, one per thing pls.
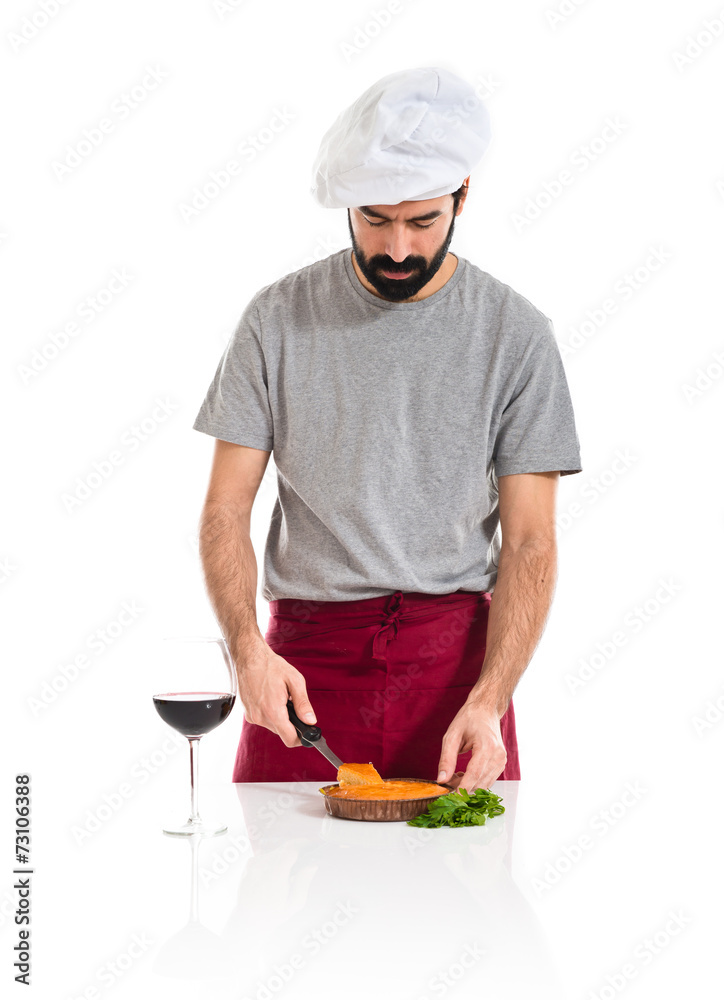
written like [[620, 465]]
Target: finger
[[474, 772], [276, 720], [286, 731], [302, 704], [281, 724], [492, 772], [448, 755], [483, 772], [303, 708]]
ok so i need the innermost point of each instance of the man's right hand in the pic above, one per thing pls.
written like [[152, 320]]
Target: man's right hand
[[266, 683]]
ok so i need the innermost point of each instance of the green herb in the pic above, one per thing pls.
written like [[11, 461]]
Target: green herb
[[460, 809]]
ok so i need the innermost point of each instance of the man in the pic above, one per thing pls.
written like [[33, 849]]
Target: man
[[413, 403]]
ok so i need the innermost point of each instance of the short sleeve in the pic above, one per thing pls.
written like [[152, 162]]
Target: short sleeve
[[537, 431], [236, 407]]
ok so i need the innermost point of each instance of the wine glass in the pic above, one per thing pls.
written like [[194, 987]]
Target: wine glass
[[197, 683]]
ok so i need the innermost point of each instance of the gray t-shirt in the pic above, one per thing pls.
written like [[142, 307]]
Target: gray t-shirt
[[390, 423]]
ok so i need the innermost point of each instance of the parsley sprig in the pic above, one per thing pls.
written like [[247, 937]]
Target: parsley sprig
[[460, 809]]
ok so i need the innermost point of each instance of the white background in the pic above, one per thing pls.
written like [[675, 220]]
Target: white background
[[225, 71]]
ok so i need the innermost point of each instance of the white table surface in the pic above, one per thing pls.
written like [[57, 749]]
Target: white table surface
[[339, 908]]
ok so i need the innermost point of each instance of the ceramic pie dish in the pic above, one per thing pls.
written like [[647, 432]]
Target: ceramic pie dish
[[382, 809]]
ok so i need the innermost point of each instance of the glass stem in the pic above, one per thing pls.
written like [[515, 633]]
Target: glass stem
[[194, 745]]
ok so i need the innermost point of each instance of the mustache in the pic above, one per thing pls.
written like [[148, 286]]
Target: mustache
[[383, 263]]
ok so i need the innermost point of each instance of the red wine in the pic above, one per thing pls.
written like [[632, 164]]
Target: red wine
[[194, 713]]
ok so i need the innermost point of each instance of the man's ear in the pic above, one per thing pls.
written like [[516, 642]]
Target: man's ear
[[466, 182]]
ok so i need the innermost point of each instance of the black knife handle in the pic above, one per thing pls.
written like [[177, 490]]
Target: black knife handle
[[307, 734]]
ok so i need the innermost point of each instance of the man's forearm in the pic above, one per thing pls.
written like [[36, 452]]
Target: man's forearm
[[518, 612], [229, 564]]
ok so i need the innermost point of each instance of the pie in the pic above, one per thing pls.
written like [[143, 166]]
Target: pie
[[358, 774], [362, 781], [389, 789]]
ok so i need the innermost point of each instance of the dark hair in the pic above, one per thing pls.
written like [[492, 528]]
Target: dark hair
[[457, 195]]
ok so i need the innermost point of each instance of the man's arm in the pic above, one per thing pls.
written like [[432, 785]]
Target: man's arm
[[227, 554], [524, 589], [520, 604], [266, 680]]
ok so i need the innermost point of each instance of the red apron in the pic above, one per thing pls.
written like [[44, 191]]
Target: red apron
[[385, 677]]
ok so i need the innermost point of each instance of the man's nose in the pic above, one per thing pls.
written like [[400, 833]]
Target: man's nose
[[398, 244]]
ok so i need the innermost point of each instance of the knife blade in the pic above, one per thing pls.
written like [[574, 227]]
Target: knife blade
[[311, 736]]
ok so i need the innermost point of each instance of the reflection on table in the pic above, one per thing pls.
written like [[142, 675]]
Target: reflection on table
[[330, 907]]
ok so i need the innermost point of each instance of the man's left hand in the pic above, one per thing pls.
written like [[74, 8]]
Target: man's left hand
[[476, 727]]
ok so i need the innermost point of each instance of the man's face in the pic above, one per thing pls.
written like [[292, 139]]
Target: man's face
[[399, 248]]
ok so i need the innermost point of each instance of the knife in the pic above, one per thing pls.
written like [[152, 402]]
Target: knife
[[311, 736]]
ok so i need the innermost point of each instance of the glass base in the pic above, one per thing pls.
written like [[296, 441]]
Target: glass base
[[200, 828]]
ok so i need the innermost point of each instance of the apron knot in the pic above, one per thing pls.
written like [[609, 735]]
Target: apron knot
[[388, 627]]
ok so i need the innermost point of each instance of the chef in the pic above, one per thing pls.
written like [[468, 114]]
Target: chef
[[420, 419]]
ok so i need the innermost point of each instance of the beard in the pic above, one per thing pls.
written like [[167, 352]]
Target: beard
[[399, 289]]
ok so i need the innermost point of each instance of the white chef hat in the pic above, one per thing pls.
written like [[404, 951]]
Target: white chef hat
[[412, 135]]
